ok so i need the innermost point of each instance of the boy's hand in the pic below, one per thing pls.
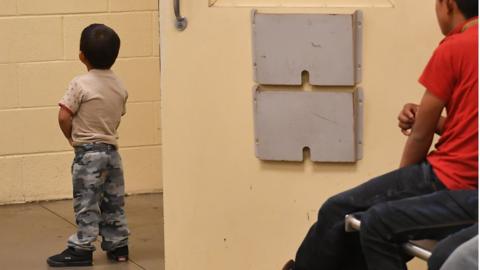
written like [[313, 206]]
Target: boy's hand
[[65, 122], [406, 118]]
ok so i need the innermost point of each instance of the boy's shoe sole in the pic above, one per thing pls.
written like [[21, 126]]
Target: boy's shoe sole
[[119, 254], [68, 264], [117, 258]]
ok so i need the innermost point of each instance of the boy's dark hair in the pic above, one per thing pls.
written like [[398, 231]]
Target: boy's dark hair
[[469, 8], [100, 45]]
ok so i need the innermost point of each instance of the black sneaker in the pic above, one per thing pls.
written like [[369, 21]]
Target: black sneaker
[[71, 257], [119, 254]]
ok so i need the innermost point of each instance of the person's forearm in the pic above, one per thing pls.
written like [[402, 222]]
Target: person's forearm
[[66, 127], [440, 125], [65, 120], [427, 120], [416, 149]]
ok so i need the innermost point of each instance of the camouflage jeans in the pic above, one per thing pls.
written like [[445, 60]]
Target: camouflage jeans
[[98, 197]]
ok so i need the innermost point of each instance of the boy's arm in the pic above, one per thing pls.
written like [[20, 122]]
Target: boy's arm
[[406, 119], [440, 125], [426, 120], [65, 122]]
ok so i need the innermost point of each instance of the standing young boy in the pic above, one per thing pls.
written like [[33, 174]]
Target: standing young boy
[[89, 116], [427, 195]]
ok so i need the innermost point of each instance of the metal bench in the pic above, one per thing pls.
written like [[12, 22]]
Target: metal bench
[[421, 248]]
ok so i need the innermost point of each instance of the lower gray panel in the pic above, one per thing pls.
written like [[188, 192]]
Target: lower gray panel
[[327, 123]]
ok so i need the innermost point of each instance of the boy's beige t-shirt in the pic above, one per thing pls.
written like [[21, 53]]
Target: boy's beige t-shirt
[[97, 102]]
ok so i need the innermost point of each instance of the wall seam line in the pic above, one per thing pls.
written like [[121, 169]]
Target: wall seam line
[[74, 60], [34, 154], [75, 14], [55, 106]]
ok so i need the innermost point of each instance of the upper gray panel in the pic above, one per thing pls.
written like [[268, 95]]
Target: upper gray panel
[[326, 46]]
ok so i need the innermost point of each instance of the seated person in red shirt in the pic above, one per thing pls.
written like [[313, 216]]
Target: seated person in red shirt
[[404, 204]]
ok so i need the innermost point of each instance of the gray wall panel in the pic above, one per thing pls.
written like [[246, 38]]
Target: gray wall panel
[[288, 121], [324, 45]]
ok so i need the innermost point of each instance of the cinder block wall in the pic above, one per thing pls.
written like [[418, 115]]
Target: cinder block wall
[[38, 57]]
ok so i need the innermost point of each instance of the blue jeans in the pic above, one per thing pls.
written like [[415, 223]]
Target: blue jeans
[[328, 247], [437, 215]]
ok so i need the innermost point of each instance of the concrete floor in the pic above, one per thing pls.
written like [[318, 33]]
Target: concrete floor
[[30, 233]]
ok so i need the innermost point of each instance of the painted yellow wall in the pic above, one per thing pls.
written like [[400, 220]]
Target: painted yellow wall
[[38, 57], [225, 209]]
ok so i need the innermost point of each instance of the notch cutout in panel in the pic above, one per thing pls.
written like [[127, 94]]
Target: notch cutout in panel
[[288, 122], [327, 46]]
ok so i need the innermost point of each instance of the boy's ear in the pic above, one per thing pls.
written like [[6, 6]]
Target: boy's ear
[[81, 56], [451, 6]]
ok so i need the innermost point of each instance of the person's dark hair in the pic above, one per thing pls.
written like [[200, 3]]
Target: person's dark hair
[[100, 45], [469, 8]]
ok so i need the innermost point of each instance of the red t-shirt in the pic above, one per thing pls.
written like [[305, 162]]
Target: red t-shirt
[[452, 76]]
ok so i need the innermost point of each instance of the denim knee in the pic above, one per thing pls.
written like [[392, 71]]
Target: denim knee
[[373, 225], [335, 207]]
